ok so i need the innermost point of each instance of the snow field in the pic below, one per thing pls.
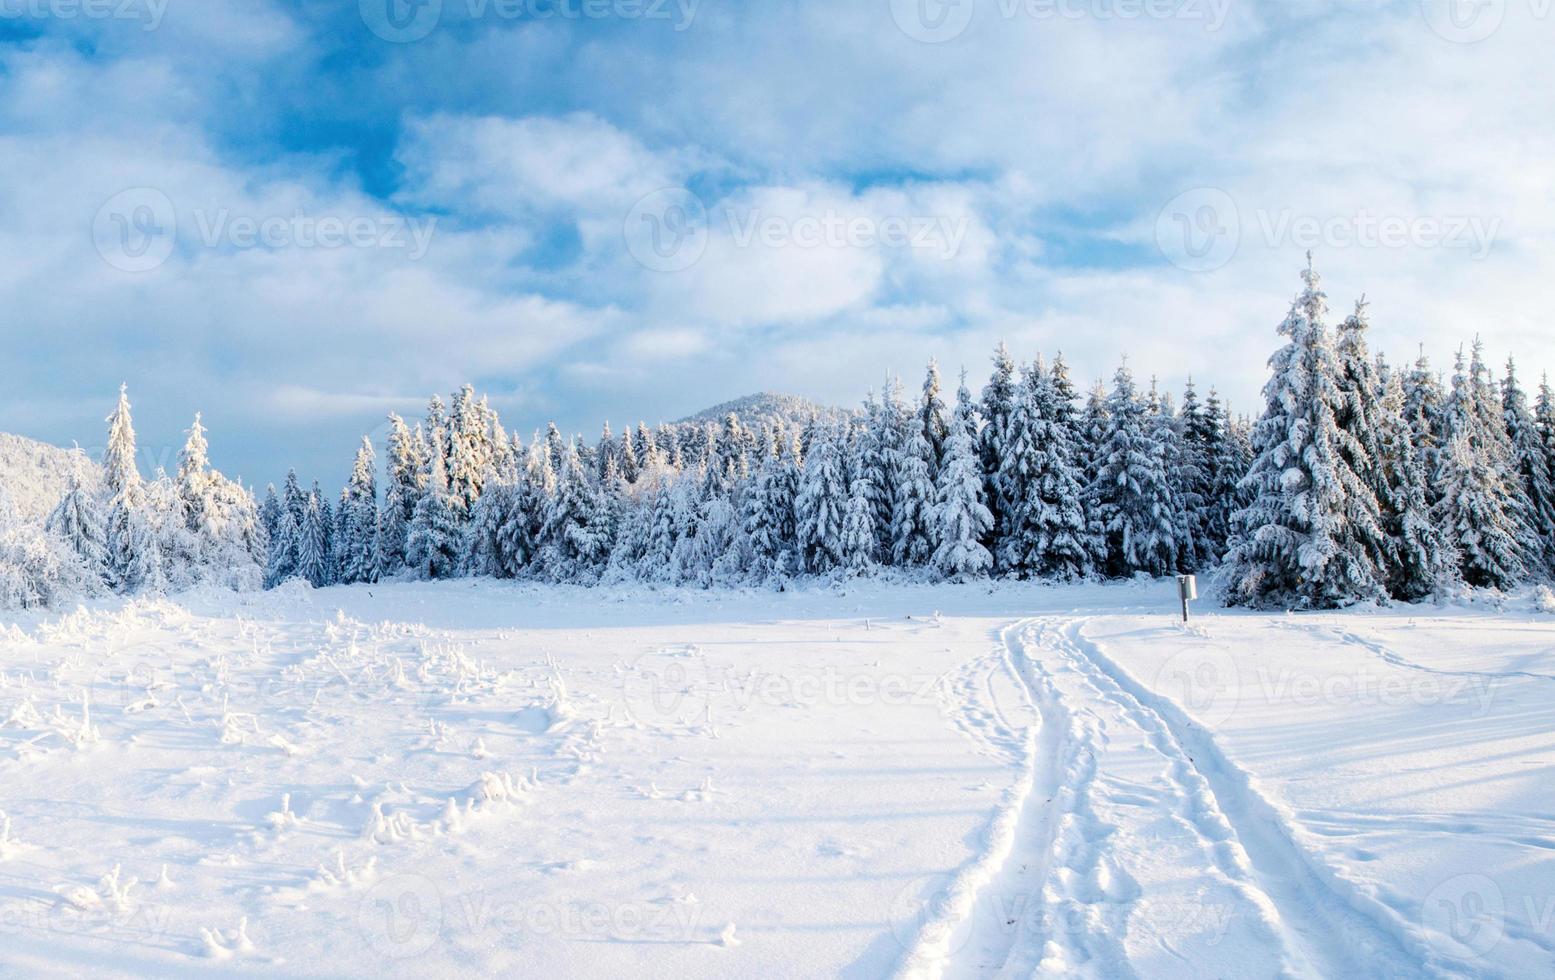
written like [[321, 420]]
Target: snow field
[[472, 776]]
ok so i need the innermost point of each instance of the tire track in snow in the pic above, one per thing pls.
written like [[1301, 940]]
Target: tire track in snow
[[1040, 892], [983, 899], [1332, 928]]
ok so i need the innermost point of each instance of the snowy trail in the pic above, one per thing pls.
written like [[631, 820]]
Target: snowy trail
[[1330, 926]]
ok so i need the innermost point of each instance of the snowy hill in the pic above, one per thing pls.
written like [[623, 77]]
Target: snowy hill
[[766, 406], [35, 475]]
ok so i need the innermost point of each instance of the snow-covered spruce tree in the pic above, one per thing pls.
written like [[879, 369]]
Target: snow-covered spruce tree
[[469, 452], [313, 544], [821, 503], [1421, 564], [573, 539], [1092, 425], [78, 521], [432, 547], [401, 492], [659, 546], [1425, 409], [1303, 542], [193, 479], [1015, 544], [931, 418], [1053, 513], [327, 524], [999, 397], [912, 541], [1166, 431], [858, 530], [270, 512], [1480, 507], [1533, 465], [360, 560], [769, 519], [127, 532], [631, 463], [119, 471], [37, 568], [1196, 479], [1131, 489], [961, 519]]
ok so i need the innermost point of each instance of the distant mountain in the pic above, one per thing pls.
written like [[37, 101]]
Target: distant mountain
[[766, 406], [35, 475]]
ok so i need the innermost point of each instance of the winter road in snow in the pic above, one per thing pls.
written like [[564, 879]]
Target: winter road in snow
[[475, 777]]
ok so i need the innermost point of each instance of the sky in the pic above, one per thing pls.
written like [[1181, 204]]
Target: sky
[[298, 216]]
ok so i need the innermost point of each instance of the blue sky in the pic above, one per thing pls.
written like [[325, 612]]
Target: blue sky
[[297, 216]]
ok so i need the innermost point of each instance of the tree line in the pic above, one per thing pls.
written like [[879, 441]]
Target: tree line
[[1359, 481]]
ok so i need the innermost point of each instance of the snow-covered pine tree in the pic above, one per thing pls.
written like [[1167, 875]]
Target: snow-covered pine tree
[[1226, 468], [1303, 542], [270, 512], [193, 480], [769, 511], [1533, 465], [469, 452], [912, 531], [1480, 507], [1131, 487], [858, 529], [999, 397], [961, 519], [573, 538], [1092, 426], [79, 522], [631, 463], [1421, 563], [127, 529], [37, 568], [1424, 410], [821, 503], [1015, 543], [313, 543], [1196, 479], [432, 548], [931, 418], [402, 491], [659, 546], [359, 549], [1053, 513], [327, 522], [119, 471]]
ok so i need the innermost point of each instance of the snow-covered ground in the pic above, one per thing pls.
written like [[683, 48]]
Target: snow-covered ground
[[481, 778]]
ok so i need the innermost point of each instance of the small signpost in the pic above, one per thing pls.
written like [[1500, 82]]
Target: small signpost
[[1187, 590]]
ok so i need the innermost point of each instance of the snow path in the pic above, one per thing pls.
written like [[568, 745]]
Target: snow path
[[1331, 926]]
